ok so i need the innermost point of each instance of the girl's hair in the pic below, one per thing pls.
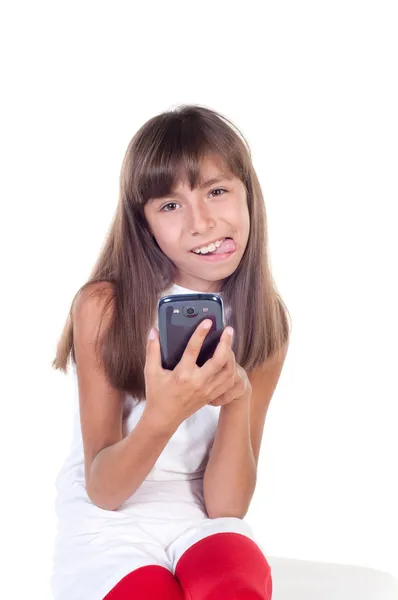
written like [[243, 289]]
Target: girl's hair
[[164, 150]]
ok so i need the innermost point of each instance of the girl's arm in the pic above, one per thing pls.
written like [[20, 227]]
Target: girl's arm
[[118, 470], [115, 466], [231, 472], [230, 476]]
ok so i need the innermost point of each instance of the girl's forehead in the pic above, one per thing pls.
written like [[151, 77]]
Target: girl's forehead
[[209, 171]]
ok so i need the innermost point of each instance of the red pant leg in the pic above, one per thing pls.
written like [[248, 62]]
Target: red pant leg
[[224, 566], [151, 582]]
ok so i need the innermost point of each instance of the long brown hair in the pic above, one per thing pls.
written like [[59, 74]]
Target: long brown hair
[[167, 147]]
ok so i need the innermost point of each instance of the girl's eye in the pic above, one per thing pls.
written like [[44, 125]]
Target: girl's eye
[[218, 190], [165, 207], [168, 204]]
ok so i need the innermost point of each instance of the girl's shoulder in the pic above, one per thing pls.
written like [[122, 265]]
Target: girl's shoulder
[[93, 295]]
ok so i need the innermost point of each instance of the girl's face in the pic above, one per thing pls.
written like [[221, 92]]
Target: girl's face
[[188, 220]]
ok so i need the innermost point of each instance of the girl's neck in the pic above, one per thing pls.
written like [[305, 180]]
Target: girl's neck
[[198, 285]]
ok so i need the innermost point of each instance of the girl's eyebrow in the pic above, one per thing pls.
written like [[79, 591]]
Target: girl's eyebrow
[[204, 185], [214, 180]]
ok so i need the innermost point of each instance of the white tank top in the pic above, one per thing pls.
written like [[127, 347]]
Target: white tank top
[[181, 463]]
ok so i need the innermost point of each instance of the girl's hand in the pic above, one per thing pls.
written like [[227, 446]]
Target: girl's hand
[[173, 396], [241, 387]]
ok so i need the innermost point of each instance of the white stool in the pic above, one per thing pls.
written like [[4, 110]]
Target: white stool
[[308, 580]]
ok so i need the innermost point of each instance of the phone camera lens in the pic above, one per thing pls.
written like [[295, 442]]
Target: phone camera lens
[[190, 311]]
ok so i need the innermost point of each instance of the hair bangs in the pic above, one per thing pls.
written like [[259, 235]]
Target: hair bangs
[[178, 157]]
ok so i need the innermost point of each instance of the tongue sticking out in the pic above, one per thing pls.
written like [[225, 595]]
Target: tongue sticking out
[[228, 245]]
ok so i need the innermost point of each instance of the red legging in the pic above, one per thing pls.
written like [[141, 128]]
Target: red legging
[[222, 566]]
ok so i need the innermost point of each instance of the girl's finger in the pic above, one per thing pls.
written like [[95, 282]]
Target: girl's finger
[[222, 400], [218, 401], [153, 361], [220, 356], [194, 346], [226, 387], [224, 374]]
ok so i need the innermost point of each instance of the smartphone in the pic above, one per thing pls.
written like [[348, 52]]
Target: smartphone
[[178, 317]]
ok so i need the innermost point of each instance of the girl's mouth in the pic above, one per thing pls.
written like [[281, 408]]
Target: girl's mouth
[[223, 245], [217, 252]]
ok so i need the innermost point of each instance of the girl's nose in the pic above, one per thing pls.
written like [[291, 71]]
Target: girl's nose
[[200, 219]]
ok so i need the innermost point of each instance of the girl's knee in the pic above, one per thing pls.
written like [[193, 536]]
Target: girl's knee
[[225, 565]]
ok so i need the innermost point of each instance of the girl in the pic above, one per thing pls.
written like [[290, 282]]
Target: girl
[[162, 468]]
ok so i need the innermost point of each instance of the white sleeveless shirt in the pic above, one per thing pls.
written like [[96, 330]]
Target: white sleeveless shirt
[[93, 544]]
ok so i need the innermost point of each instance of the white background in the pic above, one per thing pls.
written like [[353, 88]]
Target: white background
[[313, 87]]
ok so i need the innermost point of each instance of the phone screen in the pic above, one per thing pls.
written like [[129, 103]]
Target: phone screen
[[179, 315]]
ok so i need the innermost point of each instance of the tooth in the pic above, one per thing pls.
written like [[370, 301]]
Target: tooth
[[209, 248]]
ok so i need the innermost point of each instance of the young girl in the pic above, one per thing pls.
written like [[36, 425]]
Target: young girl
[[162, 468]]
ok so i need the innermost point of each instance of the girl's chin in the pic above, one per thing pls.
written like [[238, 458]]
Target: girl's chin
[[206, 268]]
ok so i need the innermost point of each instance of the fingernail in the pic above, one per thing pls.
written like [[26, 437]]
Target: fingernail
[[207, 324], [230, 331], [152, 334]]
